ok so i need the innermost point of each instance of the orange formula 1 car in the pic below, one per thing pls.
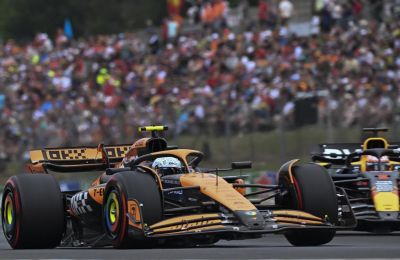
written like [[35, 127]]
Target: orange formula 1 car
[[151, 194], [369, 173]]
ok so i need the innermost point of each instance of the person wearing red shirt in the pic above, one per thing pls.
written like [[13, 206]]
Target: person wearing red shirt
[[262, 12]]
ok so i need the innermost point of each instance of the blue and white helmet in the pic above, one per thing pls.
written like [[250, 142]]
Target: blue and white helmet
[[166, 162]]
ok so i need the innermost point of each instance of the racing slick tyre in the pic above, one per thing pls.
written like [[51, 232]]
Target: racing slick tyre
[[121, 188], [32, 211], [313, 192]]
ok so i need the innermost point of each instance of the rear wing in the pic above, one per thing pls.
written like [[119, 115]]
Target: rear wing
[[77, 159], [338, 149], [344, 149]]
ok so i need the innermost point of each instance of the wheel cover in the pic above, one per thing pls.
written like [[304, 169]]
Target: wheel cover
[[9, 216], [112, 212]]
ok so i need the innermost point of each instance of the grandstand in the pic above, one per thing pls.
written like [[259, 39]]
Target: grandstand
[[212, 77]]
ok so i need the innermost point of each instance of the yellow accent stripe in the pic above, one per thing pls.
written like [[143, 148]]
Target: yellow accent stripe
[[152, 128], [189, 226], [299, 221], [216, 227], [290, 169], [296, 213], [171, 221]]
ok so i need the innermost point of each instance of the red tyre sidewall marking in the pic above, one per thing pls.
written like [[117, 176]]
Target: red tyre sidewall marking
[[123, 217], [298, 192]]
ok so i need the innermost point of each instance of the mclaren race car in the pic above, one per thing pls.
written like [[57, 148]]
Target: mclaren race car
[[151, 194], [369, 174]]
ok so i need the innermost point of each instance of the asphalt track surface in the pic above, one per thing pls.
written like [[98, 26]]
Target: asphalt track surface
[[344, 246]]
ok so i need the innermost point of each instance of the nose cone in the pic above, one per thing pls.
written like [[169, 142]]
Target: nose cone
[[384, 191], [252, 219], [386, 201]]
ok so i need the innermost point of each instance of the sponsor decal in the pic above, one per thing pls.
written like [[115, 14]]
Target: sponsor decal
[[170, 181], [134, 212], [98, 192], [384, 186], [331, 152], [176, 192]]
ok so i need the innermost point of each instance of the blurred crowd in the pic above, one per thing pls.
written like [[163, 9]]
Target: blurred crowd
[[64, 92]]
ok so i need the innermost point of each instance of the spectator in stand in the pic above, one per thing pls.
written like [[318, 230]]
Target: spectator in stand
[[98, 89], [326, 18], [172, 28], [214, 13], [336, 13], [207, 14], [194, 11], [285, 11], [219, 10], [262, 12], [61, 40], [357, 7], [243, 8]]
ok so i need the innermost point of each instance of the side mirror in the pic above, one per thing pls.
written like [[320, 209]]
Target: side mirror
[[241, 165]]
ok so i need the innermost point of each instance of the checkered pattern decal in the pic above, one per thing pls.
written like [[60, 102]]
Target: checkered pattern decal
[[76, 154], [117, 151], [66, 154], [113, 152]]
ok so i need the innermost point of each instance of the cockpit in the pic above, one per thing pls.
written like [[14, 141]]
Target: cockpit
[[374, 163], [371, 162]]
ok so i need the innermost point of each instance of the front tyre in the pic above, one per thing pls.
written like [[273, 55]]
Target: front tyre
[[312, 191], [121, 188], [32, 211]]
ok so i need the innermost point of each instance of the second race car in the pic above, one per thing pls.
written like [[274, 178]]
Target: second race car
[[369, 174]]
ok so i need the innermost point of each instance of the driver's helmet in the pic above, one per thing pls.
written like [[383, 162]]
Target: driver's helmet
[[167, 166], [373, 163]]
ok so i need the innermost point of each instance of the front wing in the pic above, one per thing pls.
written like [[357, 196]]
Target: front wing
[[275, 221]]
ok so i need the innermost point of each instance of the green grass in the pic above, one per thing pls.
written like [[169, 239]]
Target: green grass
[[267, 150]]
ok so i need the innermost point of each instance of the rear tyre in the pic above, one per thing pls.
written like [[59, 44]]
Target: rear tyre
[[122, 187], [32, 211], [313, 192]]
